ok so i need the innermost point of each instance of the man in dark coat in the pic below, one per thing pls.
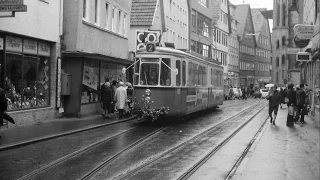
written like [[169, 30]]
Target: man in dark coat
[[282, 93], [274, 98], [3, 106], [291, 95], [106, 98], [301, 102]]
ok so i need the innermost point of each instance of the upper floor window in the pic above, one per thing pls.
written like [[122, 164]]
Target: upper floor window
[[278, 44], [193, 20], [96, 11], [203, 25], [283, 59], [85, 9], [203, 3], [277, 61], [283, 40]]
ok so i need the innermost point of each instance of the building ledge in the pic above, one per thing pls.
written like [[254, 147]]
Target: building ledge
[[103, 29]]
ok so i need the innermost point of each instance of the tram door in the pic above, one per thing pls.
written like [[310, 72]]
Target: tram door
[[177, 80]]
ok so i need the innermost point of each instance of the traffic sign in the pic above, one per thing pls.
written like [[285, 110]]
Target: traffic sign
[[293, 50], [303, 56]]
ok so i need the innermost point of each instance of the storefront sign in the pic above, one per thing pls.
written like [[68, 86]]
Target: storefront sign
[[43, 48], [30, 46], [293, 50], [301, 43], [303, 31], [1, 43], [303, 56], [11, 2], [13, 44], [90, 79], [12, 5]]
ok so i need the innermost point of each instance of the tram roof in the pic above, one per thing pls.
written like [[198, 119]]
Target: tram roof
[[170, 51]]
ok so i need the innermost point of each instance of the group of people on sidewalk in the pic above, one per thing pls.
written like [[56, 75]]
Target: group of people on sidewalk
[[116, 97], [296, 100]]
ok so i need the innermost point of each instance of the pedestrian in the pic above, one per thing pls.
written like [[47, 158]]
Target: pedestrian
[[121, 98], [301, 104], [291, 98], [274, 98], [3, 106], [106, 98], [282, 93], [129, 96], [114, 86]]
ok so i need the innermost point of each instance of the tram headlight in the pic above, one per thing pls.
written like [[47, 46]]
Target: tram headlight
[[147, 99], [148, 92]]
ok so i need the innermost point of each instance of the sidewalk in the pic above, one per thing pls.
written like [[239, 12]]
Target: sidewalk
[[18, 136], [284, 153]]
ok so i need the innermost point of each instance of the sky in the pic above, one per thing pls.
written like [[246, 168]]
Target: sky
[[256, 4]]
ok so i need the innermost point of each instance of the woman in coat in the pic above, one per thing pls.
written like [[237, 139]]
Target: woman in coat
[[3, 106], [121, 98], [291, 95], [106, 98]]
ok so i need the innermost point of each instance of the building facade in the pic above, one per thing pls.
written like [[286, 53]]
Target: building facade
[[310, 71], [93, 30], [222, 30], [201, 28], [30, 50], [233, 43], [284, 66], [247, 46], [263, 49]]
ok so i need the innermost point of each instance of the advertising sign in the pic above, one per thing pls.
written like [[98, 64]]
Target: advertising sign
[[293, 50], [30, 46], [301, 43], [303, 31], [90, 78], [13, 44]]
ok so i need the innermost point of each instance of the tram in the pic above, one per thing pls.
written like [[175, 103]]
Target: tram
[[178, 80]]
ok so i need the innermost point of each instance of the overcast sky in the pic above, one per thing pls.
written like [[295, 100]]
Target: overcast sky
[[255, 3]]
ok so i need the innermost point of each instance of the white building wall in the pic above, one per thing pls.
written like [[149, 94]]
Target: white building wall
[[176, 20], [223, 31], [41, 20]]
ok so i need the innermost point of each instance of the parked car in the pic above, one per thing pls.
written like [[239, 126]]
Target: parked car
[[264, 93], [257, 94]]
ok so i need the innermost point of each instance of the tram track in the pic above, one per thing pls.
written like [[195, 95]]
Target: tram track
[[37, 173], [154, 159], [58, 135]]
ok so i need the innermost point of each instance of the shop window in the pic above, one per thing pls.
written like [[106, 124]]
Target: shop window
[[178, 76], [27, 81], [90, 81], [183, 73], [165, 76]]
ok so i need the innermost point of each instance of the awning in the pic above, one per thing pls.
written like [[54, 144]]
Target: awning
[[96, 56]]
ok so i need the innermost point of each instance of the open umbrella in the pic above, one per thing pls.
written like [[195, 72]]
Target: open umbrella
[[269, 85], [8, 118]]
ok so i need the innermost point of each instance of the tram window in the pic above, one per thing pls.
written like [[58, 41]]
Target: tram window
[[204, 76], [215, 78], [183, 73], [195, 75], [200, 75], [178, 76], [136, 72], [149, 74], [211, 73], [165, 76], [190, 78]]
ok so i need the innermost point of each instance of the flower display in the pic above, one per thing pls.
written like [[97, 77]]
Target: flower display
[[149, 112]]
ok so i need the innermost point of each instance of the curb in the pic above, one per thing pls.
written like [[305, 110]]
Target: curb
[[52, 136]]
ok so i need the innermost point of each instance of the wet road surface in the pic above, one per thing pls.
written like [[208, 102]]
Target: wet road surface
[[22, 161]]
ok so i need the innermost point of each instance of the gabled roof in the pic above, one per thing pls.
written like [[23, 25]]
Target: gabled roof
[[216, 5], [241, 15], [258, 19], [142, 12]]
